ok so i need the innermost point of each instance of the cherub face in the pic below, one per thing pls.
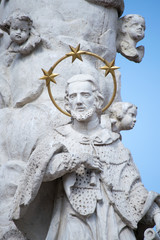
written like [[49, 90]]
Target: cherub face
[[129, 119], [19, 31], [136, 28]]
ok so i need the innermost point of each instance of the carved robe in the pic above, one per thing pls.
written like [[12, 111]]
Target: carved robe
[[67, 206]]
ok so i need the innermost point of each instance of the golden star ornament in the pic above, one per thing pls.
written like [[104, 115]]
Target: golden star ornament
[[49, 76], [109, 67], [75, 53]]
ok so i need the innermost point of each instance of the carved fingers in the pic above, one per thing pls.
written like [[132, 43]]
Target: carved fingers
[[90, 161], [94, 163]]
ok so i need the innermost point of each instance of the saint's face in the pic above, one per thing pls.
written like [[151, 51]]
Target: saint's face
[[19, 31], [137, 28], [81, 97], [129, 119]]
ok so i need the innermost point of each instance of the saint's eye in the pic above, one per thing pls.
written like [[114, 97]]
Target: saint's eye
[[86, 95], [72, 96]]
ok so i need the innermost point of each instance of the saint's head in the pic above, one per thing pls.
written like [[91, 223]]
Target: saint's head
[[83, 98]]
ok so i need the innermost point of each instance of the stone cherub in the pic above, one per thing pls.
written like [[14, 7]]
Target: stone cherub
[[24, 39], [122, 116], [80, 182], [131, 30], [23, 35]]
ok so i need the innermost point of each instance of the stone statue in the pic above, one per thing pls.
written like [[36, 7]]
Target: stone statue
[[131, 30], [78, 180], [83, 179], [24, 39], [23, 35], [122, 116]]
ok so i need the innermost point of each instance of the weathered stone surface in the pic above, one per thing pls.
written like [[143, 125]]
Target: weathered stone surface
[[130, 31], [118, 4], [49, 158], [122, 116], [91, 176]]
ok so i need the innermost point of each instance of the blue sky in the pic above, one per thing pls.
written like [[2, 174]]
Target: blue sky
[[141, 86]]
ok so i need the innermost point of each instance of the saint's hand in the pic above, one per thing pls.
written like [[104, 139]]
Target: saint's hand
[[93, 162], [76, 160]]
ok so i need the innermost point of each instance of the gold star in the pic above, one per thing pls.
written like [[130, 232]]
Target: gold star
[[49, 76], [109, 67], [75, 53]]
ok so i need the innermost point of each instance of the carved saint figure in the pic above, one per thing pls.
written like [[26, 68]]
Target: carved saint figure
[[122, 116], [131, 30], [80, 181]]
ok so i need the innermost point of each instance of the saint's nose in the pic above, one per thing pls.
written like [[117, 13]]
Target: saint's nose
[[79, 99]]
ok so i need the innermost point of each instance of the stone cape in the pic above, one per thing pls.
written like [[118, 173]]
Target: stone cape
[[126, 196]]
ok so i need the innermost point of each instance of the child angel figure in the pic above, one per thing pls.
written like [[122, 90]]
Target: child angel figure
[[122, 116], [131, 30], [24, 38]]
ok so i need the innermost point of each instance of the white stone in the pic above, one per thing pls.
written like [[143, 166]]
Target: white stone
[[130, 31], [44, 148], [150, 234], [122, 116], [26, 111], [94, 185]]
